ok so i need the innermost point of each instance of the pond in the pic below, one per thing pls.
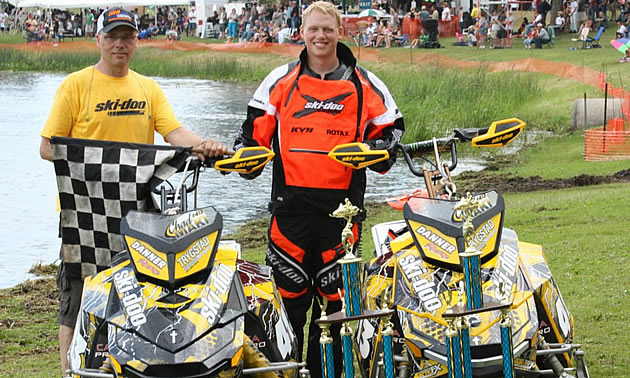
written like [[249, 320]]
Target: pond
[[212, 109]]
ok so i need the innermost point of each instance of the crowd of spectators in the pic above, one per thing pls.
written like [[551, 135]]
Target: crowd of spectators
[[56, 25], [278, 23]]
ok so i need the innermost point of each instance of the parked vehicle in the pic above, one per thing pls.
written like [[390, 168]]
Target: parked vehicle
[[180, 301], [418, 263]]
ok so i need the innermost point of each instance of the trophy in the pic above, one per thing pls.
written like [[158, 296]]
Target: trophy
[[388, 342], [346, 342], [326, 343], [506, 335], [458, 351], [350, 264], [352, 309], [471, 257]]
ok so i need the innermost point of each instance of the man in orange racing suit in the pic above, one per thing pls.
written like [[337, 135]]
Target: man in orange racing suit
[[301, 110]]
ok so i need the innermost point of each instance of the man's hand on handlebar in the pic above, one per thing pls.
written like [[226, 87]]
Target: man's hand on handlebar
[[211, 148]]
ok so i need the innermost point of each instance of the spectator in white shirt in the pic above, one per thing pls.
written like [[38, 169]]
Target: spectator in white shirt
[[559, 23], [192, 22], [446, 12], [621, 30], [573, 16]]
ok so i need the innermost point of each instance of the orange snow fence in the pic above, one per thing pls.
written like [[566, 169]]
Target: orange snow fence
[[411, 26], [613, 143]]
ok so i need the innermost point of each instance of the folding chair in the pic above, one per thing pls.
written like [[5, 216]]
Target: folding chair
[[552, 36], [583, 37], [590, 43]]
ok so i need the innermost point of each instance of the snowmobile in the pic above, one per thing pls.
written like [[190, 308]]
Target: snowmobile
[[180, 302], [419, 270]]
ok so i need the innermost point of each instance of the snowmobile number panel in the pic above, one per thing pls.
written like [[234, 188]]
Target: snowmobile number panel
[[172, 248], [437, 229]]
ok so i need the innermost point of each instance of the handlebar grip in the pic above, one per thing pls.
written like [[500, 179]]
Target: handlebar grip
[[425, 146], [419, 147]]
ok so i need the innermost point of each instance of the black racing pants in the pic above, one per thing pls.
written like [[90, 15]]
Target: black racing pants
[[303, 252]]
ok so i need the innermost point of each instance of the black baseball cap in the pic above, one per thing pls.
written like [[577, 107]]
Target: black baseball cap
[[114, 17]]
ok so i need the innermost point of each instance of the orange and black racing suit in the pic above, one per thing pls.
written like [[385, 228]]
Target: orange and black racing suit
[[302, 117]]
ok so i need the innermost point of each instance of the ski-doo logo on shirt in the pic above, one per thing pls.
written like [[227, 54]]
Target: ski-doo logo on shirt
[[313, 105], [120, 107]]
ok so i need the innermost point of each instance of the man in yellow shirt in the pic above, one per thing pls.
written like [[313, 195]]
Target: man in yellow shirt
[[475, 12], [108, 101]]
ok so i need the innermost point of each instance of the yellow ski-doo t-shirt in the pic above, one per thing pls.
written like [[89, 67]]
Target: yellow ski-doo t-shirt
[[92, 105]]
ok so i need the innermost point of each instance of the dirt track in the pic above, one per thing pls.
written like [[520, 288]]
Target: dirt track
[[506, 183]]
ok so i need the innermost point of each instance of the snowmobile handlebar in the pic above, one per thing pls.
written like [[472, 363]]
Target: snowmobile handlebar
[[499, 134], [420, 148], [245, 160]]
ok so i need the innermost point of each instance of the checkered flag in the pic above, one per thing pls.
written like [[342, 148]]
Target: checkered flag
[[99, 182]]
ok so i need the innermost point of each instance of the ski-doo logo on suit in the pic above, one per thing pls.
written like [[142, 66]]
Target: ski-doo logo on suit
[[120, 107], [314, 105], [413, 268], [287, 270]]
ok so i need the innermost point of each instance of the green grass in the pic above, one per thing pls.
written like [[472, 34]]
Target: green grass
[[28, 331], [432, 99], [561, 157], [584, 233], [603, 59]]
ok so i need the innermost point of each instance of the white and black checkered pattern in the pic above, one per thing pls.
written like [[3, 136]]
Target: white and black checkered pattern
[[99, 182]]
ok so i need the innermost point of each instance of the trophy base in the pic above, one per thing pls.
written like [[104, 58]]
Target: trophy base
[[340, 316], [461, 310]]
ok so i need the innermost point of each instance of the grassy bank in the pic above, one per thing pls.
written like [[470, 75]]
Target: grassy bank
[[432, 99]]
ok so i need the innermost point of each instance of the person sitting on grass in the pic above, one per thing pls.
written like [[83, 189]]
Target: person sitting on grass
[[559, 23], [148, 32], [172, 35], [385, 35], [601, 20], [467, 39], [542, 36], [529, 38], [368, 33], [621, 30]]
